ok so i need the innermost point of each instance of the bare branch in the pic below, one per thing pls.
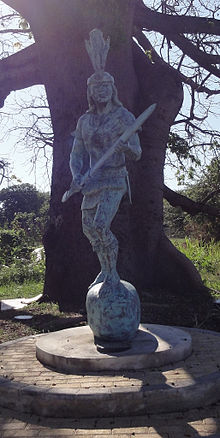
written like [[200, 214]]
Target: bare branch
[[3, 166], [203, 59], [148, 48], [147, 19], [21, 31]]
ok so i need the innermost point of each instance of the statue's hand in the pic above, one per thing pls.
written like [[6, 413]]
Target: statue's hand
[[78, 180], [132, 150], [122, 147]]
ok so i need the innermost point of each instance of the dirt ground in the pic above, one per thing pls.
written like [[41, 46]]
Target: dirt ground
[[46, 317]]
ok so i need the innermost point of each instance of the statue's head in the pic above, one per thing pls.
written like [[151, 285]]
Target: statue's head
[[101, 87]]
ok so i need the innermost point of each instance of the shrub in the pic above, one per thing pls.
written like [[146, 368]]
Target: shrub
[[22, 271], [13, 245]]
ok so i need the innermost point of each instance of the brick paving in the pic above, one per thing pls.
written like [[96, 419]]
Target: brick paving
[[203, 422], [19, 364]]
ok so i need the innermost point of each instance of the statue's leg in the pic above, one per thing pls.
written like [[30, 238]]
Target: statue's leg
[[104, 216], [91, 233]]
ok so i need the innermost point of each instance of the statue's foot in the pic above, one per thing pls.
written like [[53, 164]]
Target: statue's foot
[[99, 279]]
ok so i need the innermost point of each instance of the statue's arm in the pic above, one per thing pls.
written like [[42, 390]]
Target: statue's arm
[[77, 156], [133, 150]]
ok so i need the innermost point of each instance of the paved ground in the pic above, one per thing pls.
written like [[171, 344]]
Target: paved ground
[[196, 423], [18, 364]]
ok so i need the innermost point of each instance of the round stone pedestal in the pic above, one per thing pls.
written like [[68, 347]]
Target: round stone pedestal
[[73, 350], [113, 313]]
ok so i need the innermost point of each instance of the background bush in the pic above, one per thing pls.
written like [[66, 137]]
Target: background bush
[[22, 271], [23, 218]]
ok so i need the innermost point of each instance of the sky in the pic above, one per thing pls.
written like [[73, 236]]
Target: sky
[[24, 165]]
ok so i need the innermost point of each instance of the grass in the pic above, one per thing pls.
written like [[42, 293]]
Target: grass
[[206, 258], [25, 290]]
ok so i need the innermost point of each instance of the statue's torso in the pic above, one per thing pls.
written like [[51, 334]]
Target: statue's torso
[[99, 133]]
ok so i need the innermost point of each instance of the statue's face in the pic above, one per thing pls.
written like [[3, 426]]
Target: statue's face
[[102, 92]]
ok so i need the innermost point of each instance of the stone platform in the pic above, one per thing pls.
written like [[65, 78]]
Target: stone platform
[[27, 386], [73, 350]]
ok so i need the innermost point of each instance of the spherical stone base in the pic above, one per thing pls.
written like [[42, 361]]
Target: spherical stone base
[[113, 312], [73, 350]]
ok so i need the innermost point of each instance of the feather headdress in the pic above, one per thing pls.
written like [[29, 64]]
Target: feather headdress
[[97, 49]]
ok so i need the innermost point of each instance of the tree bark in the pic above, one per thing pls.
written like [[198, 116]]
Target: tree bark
[[190, 206], [145, 18], [19, 71]]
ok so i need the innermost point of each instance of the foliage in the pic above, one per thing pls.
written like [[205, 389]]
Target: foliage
[[32, 225], [187, 160], [200, 226], [13, 245], [207, 189], [206, 258], [22, 271], [22, 198], [24, 215]]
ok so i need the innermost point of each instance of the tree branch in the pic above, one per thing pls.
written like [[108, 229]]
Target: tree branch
[[147, 19], [202, 58], [146, 45], [15, 31], [18, 71], [187, 205]]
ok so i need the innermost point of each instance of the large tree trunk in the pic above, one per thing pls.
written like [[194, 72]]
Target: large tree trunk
[[145, 259]]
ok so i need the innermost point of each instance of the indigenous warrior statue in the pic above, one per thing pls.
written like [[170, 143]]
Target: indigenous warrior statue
[[97, 130], [105, 136]]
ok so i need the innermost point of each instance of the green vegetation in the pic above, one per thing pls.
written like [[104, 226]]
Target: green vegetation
[[203, 245], [25, 290], [200, 226], [23, 216], [22, 271], [206, 258]]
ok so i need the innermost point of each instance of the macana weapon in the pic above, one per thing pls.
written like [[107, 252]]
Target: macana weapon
[[75, 188]]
